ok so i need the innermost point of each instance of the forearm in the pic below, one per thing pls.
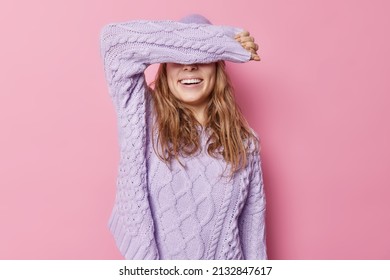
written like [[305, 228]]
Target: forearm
[[141, 43], [170, 41]]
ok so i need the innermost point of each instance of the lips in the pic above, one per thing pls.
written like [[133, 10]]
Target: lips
[[190, 81]]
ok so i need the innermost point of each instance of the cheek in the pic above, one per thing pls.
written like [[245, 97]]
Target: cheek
[[212, 74], [171, 82], [212, 82]]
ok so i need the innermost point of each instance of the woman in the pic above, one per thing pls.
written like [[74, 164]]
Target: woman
[[189, 182]]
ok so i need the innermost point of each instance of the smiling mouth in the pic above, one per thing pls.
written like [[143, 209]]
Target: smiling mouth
[[190, 81]]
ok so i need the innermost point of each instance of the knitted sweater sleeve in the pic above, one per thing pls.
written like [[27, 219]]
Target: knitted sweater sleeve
[[127, 48], [252, 218]]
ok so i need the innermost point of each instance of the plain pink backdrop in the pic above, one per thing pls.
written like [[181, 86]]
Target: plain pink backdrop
[[319, 100]]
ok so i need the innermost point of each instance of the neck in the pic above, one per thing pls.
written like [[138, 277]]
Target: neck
[[199, 114]]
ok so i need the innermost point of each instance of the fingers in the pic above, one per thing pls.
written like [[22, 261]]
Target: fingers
[[248, 43], [242, 34], [244, 39], [255, 57]]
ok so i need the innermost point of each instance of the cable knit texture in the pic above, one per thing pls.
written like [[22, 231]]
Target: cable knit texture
[[175, 212]]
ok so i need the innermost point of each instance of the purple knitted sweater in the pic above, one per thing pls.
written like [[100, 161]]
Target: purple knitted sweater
[[176, 212]]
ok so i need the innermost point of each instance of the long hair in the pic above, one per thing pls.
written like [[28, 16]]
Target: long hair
[[230, 135]]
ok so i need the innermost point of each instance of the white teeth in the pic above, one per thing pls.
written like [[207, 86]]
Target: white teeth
[[190, 81]]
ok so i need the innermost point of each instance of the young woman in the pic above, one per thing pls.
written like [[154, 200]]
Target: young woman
[[189, 183]]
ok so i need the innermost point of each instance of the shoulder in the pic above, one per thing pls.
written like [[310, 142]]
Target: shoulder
[[253, 142], [253, 151]]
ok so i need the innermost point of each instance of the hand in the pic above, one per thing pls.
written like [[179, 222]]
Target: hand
[[248, 43]]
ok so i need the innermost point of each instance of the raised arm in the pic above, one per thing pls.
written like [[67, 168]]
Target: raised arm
[[128, 48]]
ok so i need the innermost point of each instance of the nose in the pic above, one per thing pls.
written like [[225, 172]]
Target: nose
[[190, 67]]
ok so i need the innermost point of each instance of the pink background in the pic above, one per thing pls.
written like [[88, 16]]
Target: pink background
[[319, 100]]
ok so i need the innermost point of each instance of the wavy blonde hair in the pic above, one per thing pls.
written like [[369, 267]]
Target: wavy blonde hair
[[230, 134]]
